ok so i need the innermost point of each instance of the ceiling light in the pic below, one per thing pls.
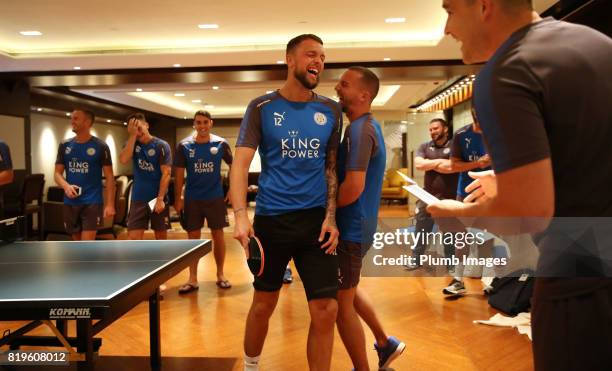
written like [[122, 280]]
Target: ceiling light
[[108, 120], [39, 109], [30, 33], [280, 62], [179, 94], [196, 101], [138, 89], [215, 88], [208, 26], [176, 65], [386, 59], [124, 123], [385, 93], [209, 106], [404, 122], [395, 20], [76, 67], [67, 113], [184, 117], [269, 91]]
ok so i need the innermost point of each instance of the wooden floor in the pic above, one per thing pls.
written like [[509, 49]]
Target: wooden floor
[[203, 330]]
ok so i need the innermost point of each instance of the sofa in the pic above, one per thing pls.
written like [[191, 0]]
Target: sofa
[[392, 190]]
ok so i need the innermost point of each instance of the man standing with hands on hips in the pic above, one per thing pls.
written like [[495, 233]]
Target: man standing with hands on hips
[[201, 155]]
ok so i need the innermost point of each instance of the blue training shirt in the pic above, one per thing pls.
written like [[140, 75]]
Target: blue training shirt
[[203, 164], [468, 146], [362, 149], [5, 157], [294, 139], [147, 160], [83, 163]]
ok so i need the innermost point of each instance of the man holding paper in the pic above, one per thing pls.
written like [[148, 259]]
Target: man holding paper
[[152, 165]]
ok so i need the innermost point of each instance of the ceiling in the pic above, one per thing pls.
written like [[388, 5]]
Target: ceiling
[[113, 34]]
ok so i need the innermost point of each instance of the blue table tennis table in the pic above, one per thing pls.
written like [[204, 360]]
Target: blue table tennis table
[[90, 282]]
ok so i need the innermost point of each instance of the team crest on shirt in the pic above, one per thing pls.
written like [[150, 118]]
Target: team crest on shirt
[[191, 153], [446, 151], [151, 152], [320, 118], [68, 150], [137, 149], [91, 151]]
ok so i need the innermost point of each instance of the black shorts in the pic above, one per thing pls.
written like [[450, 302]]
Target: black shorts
[[572, 331], [140, 215], [213, 211], [350, 261], [79, 218], [295, 235]]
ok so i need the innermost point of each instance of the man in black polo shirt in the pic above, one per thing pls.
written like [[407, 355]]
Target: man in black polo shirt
[[433, 157], [543, 102]]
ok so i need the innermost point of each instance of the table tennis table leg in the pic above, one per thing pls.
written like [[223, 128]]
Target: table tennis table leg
[[154, 331], [61, 325], [85, 343]]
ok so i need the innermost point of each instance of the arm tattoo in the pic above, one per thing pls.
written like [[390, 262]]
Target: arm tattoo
[[332, 184]]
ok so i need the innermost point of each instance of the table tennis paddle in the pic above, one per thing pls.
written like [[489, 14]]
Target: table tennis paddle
[[256, 258]]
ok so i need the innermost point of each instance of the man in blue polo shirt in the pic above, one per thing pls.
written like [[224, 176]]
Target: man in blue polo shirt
[[84, 158], [361, 169], [297, 133], [152, 165], [201, 155]]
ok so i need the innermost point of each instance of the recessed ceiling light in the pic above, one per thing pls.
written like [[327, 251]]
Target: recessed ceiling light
[[208, 26], [124, 123], [108, 120], [196, 101], [30, 33], [176, 65], [209, 106], [39, 109], [215, 88], [395, 20], [386, 59], [404, 122], [76, 67], [280, 62], [67, 113], [138, 89], [179, 94]]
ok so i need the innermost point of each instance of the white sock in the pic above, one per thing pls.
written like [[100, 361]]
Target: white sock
[[251, 363]]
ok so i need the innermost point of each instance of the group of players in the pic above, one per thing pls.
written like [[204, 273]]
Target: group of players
[[318, 198]]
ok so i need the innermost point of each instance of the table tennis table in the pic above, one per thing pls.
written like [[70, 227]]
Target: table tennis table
[[90, 282]]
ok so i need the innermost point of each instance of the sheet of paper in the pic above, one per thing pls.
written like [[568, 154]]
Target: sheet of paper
[[152, 204], [417, 191]]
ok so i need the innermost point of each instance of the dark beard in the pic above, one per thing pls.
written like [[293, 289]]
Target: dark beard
[[301, 77]]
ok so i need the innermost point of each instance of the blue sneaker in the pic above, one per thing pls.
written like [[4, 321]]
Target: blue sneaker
[[287, 277], [387, 354]]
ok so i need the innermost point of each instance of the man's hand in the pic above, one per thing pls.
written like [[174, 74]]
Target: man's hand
[[132, 127], [160, 205], [70, 191], [483, 188], [329, 226], [484, 161], [109, 210], [178, 205], [243, 230]]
